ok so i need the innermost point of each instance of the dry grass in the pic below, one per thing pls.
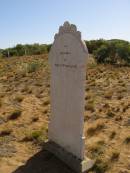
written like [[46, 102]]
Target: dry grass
[[108, 94], [15, 114], [25, 111], [5, 132], [95, 128], [115, 156], [127, 140]]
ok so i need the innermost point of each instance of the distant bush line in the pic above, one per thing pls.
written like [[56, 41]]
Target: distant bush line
[[104, 51], [110, 51], [27, 49]]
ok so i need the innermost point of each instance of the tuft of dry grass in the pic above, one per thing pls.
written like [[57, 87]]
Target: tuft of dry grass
[[110, 114], [126, 106], [112, 134], [15, 114], [35, 119], [5, 132], [101, 166], [46, 102], [108, 94], [95, 128], [127, 140], [97, 148], [19, 98], [0, 103], [115, 156], [37, 136], [89, 107]]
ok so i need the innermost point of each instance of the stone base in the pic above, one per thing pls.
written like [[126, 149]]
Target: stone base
[[79, 166]]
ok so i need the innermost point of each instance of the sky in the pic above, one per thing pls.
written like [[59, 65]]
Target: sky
[[36, 21]]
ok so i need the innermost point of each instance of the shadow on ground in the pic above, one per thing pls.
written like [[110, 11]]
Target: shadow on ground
[[43, 162]]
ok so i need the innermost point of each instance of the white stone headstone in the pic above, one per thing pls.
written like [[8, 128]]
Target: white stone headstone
[[67, 59]]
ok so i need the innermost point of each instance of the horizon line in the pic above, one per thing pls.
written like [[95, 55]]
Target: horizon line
[[47, 43]]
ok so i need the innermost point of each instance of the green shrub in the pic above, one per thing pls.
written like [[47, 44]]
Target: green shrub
[[32, 67], [37, 136], [28, 67], [93, 45], [105, 51], [113, 52], [101, 54], [20, 50]]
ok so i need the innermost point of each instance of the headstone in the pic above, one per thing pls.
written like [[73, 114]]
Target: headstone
[[67, 59]]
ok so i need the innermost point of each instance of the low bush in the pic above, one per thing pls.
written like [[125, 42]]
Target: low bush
[[113, 52]]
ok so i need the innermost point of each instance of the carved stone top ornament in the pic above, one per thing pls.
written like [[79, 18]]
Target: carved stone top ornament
[[71, 29]]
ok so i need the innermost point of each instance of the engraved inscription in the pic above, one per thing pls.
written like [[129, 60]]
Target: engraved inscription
[[65, 53], [65, 65], [65, 45], [70, 66]]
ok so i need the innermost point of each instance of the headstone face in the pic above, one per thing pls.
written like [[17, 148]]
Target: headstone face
[[67, 59]]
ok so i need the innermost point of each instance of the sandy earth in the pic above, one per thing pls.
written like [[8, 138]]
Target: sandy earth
[[25, 111]]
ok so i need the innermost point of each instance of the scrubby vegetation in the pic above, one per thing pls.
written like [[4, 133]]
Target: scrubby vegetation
[[25, 112], [21, 50], [25, 104], [105, 51], [110, 51]]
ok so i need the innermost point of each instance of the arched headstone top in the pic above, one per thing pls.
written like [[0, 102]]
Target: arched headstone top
[[71, 29]]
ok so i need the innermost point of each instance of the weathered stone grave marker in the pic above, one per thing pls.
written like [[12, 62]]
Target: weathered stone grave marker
[[68, 71]]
